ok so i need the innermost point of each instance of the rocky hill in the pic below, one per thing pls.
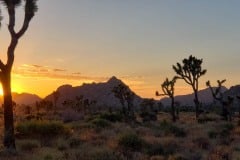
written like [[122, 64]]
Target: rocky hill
[[101, 93], [23, 98]]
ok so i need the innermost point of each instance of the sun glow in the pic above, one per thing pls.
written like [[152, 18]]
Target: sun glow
[[1, 92]]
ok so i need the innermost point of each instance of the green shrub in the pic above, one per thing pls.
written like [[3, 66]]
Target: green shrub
[[169, 128], [48, 157], [61, 144], [93, 153], [226, 129], [74, 142], [212, 134], [104, 154], [148, 116], [228, 126], [29, 145], [130, 141], [202, 143], [112, 117], [41, 128], [100, 123], [155, 149]]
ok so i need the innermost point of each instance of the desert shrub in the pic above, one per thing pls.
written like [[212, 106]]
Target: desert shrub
[[155, 149], [169, 128], [176, 157], [100, 123], [157, 157], [104, 154], [42, 128], [202, 143], [165, 148], [228, 126], [212, 134], [148, 116], [74, 142], [96, 154], [61, 144], [71, 115], [130, 141], [48, 157], [112, 117], [28, 145], [226, 129]]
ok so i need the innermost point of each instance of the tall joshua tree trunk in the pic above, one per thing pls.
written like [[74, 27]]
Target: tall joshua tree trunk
[[173, 110], [9, 140], [196, 101], [5, 69]]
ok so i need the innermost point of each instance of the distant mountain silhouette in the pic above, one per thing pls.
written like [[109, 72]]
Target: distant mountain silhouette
[[23, 98], [233, 91], [205, 97], [99, 92]]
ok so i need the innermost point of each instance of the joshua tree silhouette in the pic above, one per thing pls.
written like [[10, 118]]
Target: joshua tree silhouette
[[218, 95], [190, 71], [168, 90], [123, 93], [5, 73]]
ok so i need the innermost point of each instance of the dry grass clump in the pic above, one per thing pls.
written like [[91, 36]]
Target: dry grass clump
[[28, 145], [42, 128]]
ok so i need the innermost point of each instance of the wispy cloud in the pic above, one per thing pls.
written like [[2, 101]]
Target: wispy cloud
[[59, 70], [33, 70]]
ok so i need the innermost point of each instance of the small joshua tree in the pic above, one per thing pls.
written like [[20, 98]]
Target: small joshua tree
[[123, 93], [148, 112], [218, 96], [168, 90], [190, 71]]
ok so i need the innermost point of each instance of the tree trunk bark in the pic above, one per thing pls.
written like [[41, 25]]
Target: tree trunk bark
[[9, 139], [173, 110], [196, 101]]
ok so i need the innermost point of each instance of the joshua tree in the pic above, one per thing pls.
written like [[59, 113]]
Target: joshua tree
[[147, 110], [123, 93], [5, 69], [168, 90], [218, 96], [190, 71]]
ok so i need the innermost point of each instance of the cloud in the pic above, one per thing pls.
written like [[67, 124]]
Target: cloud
[[59, 70], [78, 73], [39, 71]]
